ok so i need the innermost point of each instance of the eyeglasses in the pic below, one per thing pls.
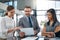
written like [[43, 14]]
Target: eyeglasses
[[27, 11]]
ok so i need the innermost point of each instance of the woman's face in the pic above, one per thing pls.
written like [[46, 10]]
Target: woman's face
[[49, 15], [11, 13]]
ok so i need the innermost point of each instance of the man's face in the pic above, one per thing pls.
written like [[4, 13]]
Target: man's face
[[27, 11]]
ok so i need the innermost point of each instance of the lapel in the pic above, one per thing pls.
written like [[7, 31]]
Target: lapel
[[26, 20]]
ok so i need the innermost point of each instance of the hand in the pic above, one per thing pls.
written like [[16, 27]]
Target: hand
[[50, 35], [51, 32], [22, 34], [35, 32], [13, 29], [16, 28]]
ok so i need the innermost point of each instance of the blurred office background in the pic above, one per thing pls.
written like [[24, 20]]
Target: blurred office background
[[39, 8]]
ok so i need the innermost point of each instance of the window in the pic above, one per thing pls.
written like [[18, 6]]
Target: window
[[10, 3], [58, 15], [15, 4], [43, 6], [57, 4]]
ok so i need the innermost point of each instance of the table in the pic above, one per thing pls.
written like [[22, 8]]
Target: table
[[36, 38], [49, 39], [26, 38]]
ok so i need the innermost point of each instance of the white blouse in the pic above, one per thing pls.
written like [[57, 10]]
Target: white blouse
[[7, 23]]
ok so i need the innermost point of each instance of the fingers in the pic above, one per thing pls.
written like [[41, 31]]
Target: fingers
[[22, 34]]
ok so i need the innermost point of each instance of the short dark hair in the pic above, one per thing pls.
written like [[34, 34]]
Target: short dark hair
[[27, 7], [9, 8]]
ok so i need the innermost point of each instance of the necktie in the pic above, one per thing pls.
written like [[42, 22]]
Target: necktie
[[30, 21]]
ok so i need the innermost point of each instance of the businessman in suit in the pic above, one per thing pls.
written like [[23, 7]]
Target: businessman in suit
[[28, 21]]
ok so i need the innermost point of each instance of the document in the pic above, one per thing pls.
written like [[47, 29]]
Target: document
[[28, 31], [30, 38]]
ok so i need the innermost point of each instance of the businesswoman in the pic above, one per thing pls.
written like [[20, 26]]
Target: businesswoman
[[7, 24], [52, 25]]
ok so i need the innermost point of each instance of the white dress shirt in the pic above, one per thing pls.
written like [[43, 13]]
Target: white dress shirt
[[6, 23]]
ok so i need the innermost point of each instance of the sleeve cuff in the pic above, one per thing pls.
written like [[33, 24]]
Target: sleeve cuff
[[5, 32]]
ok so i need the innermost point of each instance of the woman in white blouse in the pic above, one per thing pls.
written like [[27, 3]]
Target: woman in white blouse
[[7, 24]]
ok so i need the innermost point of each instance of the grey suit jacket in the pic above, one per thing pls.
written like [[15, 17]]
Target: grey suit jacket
[[25, 23]]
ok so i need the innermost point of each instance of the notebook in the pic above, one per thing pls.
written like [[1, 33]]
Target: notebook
[[27, 31]]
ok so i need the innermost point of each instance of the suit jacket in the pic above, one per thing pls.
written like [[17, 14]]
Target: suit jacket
[[25, 23]]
